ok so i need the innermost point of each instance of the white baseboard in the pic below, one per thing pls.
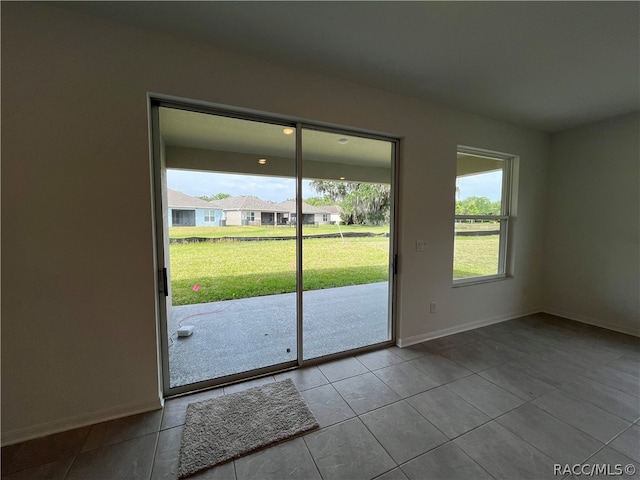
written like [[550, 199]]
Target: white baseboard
[[593, 321], [405, 342], [43, 429]]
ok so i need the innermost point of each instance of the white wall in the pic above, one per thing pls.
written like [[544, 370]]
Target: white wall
[[592, 255], [79, 296]]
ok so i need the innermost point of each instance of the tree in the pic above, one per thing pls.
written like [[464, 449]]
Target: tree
[[215, 196], [319, 201], [335, 191], [361, 202], [477, 206]]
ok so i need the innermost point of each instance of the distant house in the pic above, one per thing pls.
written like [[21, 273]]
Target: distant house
[[187, 211], [246, 210], [334, 213], [310, 213]]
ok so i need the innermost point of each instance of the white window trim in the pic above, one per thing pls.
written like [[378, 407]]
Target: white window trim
[[504, 218], [210, 215]]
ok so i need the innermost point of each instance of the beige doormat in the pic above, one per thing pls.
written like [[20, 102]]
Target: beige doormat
[[223, 428]]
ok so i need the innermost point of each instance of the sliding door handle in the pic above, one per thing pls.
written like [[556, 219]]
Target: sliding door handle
[[165, 285]]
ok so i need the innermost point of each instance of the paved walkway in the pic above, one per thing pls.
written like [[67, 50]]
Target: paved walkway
[[234, 336]]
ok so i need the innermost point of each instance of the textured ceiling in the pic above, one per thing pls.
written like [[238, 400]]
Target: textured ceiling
[[547, 65]]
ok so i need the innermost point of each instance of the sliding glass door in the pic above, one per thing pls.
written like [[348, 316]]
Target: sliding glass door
[[275, 244], [346, 268]]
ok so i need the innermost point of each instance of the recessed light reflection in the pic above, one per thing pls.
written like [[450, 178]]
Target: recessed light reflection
[[262, 161], [288, 131]]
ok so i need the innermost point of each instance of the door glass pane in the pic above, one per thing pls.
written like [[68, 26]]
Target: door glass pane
[[229, 187], [346, 218]]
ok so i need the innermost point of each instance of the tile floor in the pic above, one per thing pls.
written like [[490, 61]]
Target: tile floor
[[505, 401]]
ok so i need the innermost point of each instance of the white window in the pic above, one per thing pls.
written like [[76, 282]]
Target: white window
[[209, 215], [325, 217], [251, 216], [483, 194]]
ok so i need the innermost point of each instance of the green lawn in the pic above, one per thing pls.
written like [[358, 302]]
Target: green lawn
[[270, 231], [475, 256], [228, 270]]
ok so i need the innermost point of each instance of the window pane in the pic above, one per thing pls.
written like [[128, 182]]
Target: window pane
[[478, 185], [479, 188], [476, 249]]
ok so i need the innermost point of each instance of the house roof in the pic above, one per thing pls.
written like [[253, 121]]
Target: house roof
[[247, 203], [244, 202], [333, 209], [182, 200], [290, 206]]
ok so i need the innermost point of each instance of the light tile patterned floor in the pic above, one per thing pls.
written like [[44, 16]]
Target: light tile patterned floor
[[506, 401]]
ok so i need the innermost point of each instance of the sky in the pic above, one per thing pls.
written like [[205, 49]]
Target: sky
[[483, 185], [274, 189], [278, 189]]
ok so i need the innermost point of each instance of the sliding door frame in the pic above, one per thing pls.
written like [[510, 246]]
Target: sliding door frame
[[160, 246]]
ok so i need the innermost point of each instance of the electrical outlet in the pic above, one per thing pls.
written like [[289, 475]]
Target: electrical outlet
[[421, 245], [432, 307]]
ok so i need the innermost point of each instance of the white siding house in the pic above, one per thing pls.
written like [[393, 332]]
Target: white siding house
[[247, 210], [334, 213], [310, 213]]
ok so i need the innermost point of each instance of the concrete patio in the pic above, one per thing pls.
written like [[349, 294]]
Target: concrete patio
[[234, 336]]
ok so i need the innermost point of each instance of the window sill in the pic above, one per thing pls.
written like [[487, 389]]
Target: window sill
[[463, 282]]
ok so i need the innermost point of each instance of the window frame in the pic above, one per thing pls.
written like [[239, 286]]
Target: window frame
[[209, 215], [504, 219]]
